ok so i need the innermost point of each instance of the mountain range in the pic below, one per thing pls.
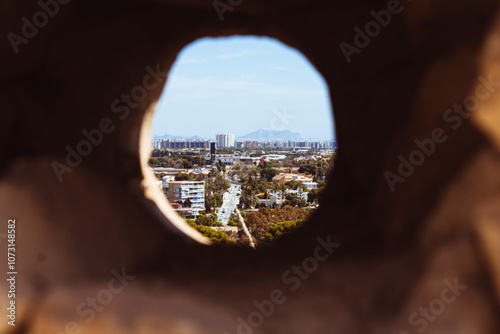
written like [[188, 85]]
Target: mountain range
[[259, 135], [267, 135], [169, 136]]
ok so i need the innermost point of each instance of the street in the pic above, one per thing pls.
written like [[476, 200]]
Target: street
[[230, 199]]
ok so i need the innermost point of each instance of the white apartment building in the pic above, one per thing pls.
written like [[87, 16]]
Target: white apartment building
[[224, 140], [310, 185], [274, 157], [177, 191], [231, 160]]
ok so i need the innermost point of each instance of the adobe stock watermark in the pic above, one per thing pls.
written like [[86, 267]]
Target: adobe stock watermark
[[30, 28], [281, 119], [121, 107], [426, 147], [293, 278], [421, 318], [372, 29], [87, 309], [222, 6]]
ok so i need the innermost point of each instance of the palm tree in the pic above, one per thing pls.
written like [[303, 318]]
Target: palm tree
[[252, 172], [300, 201], [281, 189], [253, 201], [275, 186], [213, 173], [249, 200]]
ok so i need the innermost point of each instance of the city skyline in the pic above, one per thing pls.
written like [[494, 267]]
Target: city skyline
[[224, 143], [236, 137], [243, 84]]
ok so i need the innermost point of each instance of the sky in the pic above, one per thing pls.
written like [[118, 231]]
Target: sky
[[242, 84]]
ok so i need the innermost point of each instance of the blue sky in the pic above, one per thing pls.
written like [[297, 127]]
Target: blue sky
[[242, 84]]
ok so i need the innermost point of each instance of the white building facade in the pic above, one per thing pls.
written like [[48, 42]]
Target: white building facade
[[178, 191], [224, 140]]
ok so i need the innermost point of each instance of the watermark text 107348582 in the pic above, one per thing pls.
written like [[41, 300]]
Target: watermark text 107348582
[[11, 271]]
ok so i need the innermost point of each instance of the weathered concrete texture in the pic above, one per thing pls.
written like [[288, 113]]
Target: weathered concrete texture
[[399, 249]]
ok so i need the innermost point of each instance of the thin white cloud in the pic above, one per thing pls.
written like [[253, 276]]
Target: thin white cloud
[[247, 76], [189, 60], [243, 53], [185, 88]]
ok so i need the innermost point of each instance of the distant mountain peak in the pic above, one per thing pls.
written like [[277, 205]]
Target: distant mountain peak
[[169, 136], [268, 135]]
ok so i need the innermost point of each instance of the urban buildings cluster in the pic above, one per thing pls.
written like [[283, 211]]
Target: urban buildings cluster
[[188, 197], [323, 144], [227, 140]]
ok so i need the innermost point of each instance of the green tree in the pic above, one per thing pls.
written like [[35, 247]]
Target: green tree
[[196, 177], [274, 164], [238, 166], [280, 188], [312, 196], [257, 224], [213, 220], [186, 203], [213, 201], [269, 173], [217, 237], [213, 173], [202, 219], [294, 185], [181, 177], [205, 220], [186, 164], [220, 167], [252, 172], [312, 166], [266, 212], [300, 201], [248, 198], [153, 162], [249, 201], [291, 199], [218, 185], [278, 230]]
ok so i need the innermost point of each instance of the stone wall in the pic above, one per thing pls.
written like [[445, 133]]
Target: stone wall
[[424, 242]]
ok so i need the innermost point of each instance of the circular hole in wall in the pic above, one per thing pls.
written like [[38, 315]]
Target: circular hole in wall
[[243, 139]]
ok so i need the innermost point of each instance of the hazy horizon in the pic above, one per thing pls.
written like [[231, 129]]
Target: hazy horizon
[[235, 135]]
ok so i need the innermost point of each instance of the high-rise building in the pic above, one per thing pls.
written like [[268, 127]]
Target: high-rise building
[[157, 143], [224, 140], [252, 143], [212, 153], [178, 191]]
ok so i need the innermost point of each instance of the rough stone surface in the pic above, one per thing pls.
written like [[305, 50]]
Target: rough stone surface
[[399, 249]]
